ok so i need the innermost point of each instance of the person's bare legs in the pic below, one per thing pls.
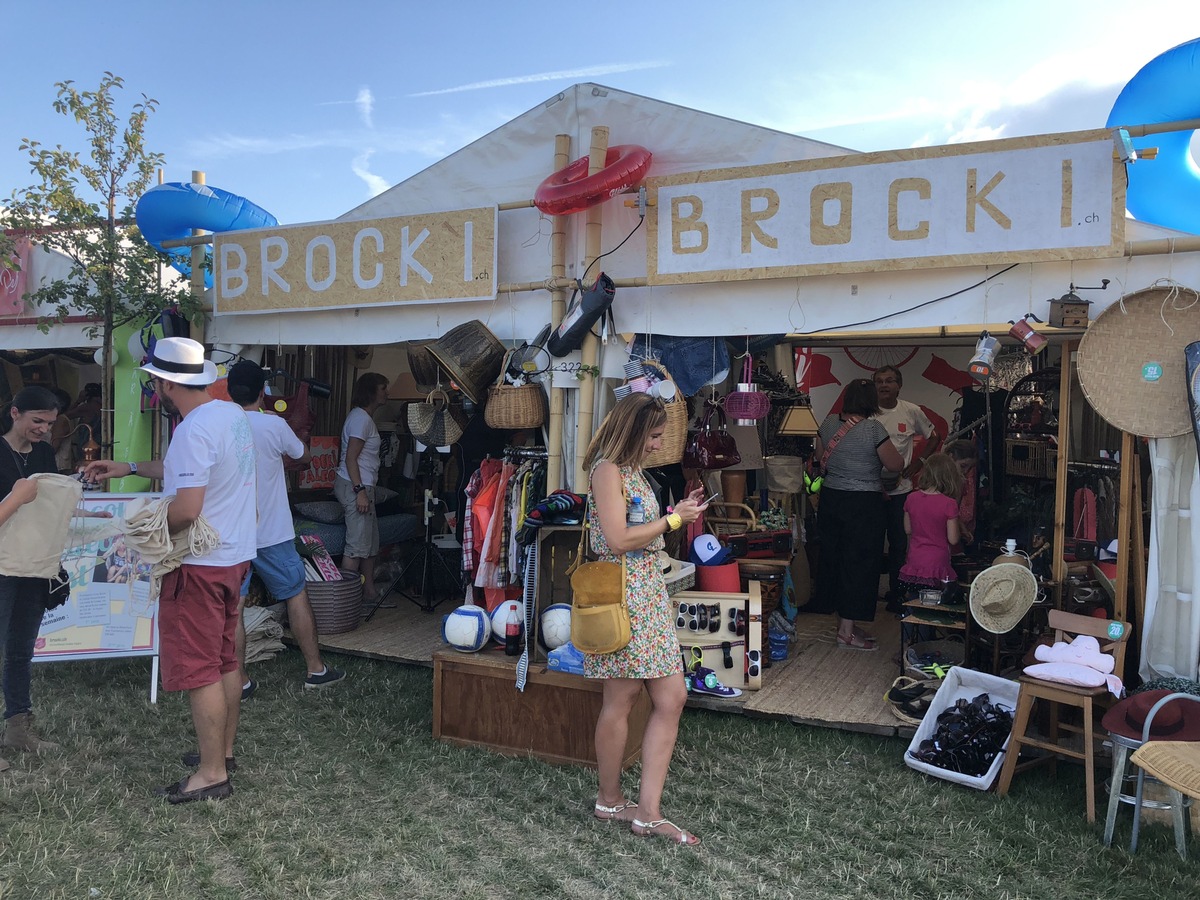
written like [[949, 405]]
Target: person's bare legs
[[211, 719], [667, 698], [612, 730], [304, 630]]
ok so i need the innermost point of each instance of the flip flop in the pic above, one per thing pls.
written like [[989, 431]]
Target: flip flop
[[650, 830]]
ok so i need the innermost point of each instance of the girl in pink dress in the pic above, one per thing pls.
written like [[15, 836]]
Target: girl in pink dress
[[931, 521]]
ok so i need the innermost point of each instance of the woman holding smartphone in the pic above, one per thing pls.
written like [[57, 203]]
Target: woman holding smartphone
[[614, 460]]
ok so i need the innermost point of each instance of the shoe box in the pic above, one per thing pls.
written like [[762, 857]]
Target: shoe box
[[734, 647]]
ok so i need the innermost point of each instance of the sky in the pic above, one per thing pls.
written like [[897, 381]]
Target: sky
[[311, 108]]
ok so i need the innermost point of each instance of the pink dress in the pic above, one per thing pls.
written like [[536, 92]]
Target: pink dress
[[928, 550]]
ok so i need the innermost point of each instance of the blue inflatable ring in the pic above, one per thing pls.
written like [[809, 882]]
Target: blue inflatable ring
[[1164, 190], [168, 212]]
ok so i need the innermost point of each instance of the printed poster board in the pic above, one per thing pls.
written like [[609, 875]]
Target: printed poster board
[[323, 465], [111, 612]]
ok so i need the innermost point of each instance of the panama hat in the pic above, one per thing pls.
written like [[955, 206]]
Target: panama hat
[[1179, 720], [1131, 361], [180, 360], [1001, 595]]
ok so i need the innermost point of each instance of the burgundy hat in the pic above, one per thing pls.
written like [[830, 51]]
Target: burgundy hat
[[1179, 720]]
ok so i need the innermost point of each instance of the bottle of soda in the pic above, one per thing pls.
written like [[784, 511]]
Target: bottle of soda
[[512, 632], [636, 516]]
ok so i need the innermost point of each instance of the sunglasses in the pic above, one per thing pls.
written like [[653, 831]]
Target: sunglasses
[[737, 622], [753, 663]]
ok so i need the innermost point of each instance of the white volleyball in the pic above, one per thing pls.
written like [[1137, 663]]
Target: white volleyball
[[556, 625], [467, 628]]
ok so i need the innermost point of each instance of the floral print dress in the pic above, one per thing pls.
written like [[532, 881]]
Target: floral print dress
[[653, 649]]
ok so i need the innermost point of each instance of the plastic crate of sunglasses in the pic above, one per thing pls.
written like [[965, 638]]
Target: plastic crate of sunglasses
[[737, 640], [963, 684], [1027, 459]]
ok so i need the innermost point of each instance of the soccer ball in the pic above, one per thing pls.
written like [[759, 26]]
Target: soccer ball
[[556, 625], [500, 619], [467, 628]]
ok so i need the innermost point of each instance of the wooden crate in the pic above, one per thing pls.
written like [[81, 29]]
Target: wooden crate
[[476, 703]]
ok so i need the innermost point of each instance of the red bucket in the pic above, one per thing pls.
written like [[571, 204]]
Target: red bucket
[[721, 579]]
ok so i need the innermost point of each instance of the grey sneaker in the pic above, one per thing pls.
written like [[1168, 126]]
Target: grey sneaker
[[324, 679], [779, 622]]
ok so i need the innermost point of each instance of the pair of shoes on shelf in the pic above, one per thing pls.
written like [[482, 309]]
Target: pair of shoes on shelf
[[177, 793], [323, 679], [675, 835], [192, 759]]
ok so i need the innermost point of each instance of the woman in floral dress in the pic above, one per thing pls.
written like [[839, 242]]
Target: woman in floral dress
[[632, 430]]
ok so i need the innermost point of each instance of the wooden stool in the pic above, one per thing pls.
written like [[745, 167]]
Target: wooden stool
[[1066, 626]]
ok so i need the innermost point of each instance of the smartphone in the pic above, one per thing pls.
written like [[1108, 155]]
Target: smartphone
[[709, 500]]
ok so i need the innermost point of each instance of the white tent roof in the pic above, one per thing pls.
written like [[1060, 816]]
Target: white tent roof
[[507, 164]]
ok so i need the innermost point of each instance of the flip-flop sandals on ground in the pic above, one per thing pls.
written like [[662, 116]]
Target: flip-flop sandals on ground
[[676, 835]]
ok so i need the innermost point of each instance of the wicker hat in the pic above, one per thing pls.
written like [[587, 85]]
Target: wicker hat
[[472, 356], [424, 367], [1001, 595], [1131, 361], [1179, 720]]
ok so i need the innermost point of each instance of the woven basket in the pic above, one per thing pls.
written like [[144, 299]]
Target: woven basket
[[674, 437], [512, 407], [434, 424], [336, 605]]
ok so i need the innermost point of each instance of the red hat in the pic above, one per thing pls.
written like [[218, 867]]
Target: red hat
[[1179, 720]]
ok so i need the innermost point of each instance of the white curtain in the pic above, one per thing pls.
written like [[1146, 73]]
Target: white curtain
[[1171, 641]]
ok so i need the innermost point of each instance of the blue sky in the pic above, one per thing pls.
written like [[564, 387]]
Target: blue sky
[[309, 108]]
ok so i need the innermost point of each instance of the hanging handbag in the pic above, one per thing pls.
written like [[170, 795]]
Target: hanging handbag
[[434, 424], [711, 448], [599, 616]]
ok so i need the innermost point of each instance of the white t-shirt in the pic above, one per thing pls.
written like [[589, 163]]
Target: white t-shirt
[[903, 423], [273, 440], [213, 448], [359, 424]]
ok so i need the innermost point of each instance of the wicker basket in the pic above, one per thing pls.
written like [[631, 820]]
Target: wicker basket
[[512, 407], [675, 433], [336, 605], [436, 425], [1029, 459], [944, 653]]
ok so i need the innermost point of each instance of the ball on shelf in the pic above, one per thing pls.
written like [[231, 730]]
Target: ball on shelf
[[467, 628], [556, 625], [500, 619]]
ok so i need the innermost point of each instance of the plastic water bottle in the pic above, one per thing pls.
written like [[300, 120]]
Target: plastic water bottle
[[636, 516], [512, 632]]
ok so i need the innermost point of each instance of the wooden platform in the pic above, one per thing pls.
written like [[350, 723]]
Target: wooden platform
[[819, 684]]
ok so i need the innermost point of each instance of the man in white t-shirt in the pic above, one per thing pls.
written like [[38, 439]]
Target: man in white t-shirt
[[278, 563], [903, 421], [208, 469]]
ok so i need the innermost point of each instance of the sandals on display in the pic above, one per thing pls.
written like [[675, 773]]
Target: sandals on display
[[613, 813], [650, 830]]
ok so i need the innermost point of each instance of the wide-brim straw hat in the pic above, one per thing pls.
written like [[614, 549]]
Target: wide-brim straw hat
[[1131, 361], [1179, 720], [423, 366], [472, 356], [180, 360], [1001, 595]]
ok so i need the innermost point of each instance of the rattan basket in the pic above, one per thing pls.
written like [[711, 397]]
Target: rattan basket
[[511, 407], [674, 437], [336, 605]]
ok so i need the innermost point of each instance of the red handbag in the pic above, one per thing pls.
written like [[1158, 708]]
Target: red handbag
[[708, 447]]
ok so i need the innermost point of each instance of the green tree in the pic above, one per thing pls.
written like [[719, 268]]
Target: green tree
[[83, 207]]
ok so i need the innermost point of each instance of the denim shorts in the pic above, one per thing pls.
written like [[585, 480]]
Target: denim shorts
[[281, 569]]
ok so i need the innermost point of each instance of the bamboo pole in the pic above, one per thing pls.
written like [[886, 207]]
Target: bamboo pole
[[558, 307], [1058, 565], [197, 280], [591, 344]]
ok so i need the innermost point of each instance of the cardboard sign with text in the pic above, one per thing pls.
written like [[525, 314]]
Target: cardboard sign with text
[[322, 468]]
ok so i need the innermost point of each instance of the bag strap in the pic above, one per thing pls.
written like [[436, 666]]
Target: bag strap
[[837, 438], [583, 530], [508, 355]]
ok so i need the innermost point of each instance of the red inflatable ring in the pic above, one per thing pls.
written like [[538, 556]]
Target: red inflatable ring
[[573, 190]]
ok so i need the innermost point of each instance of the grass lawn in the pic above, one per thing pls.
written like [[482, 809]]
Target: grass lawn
[[344, 794]]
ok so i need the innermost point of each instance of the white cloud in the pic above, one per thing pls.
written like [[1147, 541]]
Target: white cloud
[[365, 102], [566, 74], [375, 184]]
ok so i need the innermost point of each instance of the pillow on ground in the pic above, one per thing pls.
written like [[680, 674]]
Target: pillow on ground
[[327, 512]]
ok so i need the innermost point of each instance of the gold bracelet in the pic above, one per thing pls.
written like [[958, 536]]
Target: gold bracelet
[[674, 521]]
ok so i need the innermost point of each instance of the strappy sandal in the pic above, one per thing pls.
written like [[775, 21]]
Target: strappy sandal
[[678, 836], [613, 813], [857, 642]]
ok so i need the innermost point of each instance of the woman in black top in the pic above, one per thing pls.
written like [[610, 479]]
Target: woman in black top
[[25, 423]]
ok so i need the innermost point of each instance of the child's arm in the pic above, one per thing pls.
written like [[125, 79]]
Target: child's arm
[[907, 523], [953, 531]]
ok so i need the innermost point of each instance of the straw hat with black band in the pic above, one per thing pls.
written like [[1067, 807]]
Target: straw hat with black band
[[1001, 595], [180, 360], [1131, 361]]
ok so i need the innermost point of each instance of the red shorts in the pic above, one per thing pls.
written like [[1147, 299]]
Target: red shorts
[[198, 616]]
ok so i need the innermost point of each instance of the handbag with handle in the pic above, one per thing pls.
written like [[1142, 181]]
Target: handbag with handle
[[599, 617], [708, 447]]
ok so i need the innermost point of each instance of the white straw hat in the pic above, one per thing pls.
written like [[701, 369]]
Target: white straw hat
[[182, 361], [1001, 595]]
